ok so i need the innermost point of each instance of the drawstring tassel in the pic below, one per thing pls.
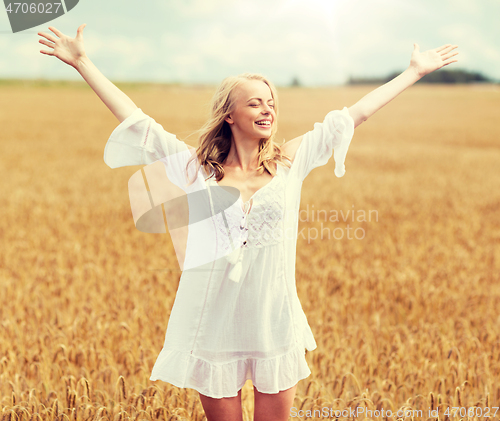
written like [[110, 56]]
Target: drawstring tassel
[[236, 255], [235, 273], [235, 258]]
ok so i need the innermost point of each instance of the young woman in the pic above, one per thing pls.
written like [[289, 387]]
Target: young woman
[[237, 315]]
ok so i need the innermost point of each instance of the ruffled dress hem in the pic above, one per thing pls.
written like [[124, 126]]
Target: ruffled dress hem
[[272, 375]]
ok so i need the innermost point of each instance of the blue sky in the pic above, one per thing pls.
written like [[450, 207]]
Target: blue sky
[[202, 41]]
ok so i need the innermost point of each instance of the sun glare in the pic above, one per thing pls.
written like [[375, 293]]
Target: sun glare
[[323, 8]]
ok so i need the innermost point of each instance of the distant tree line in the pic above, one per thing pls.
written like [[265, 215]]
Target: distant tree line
[[439, 76]]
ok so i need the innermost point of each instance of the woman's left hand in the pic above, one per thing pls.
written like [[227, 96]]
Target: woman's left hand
[[427, 61]]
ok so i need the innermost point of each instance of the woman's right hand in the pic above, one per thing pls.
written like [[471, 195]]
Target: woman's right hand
[[65, 48], [71, 51]]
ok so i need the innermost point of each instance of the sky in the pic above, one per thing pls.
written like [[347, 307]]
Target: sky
[[320, 42]]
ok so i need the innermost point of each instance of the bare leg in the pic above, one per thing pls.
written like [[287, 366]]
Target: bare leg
[[273, 407], [224, 409]]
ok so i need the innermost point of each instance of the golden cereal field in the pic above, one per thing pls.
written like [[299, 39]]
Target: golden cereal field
[[404, 302]]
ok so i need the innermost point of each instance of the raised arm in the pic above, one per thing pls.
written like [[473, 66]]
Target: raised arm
[[421, 63], [71, 51]]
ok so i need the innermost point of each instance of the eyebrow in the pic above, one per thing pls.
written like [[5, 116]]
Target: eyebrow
[[260, 99]]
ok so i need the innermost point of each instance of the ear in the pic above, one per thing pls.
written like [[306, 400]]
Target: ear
[[228, 119]]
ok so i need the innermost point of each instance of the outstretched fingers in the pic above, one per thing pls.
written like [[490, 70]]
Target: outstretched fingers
[[447, 56], [56, 31], [79, 31], [449, 62], [439, 49], [48, 36], [448, 49], [48, 44]]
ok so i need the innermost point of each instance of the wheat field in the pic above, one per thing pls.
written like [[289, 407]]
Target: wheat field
[[404, 302]]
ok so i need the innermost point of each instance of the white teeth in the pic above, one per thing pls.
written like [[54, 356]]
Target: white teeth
[[263, 123]]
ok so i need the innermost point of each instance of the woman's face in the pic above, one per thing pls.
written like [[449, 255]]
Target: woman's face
[[253, 116]]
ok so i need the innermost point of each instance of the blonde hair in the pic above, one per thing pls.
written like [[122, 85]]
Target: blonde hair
[[215, 135]]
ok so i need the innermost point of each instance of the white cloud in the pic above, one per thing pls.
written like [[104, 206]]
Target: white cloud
[[320, 41]]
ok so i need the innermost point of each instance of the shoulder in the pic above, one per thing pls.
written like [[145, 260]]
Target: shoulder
[[290, 147]]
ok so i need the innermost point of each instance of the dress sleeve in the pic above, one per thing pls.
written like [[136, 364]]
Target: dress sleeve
[[333, 135], [140, 140]]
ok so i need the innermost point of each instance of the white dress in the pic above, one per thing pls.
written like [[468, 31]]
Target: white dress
[[236, 315]]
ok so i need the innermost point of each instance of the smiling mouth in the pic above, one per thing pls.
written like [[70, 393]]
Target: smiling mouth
[[266, 123]]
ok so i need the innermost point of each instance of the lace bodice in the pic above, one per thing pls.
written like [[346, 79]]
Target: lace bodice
[[260, 224]]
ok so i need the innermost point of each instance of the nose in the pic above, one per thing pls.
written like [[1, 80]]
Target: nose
[[267, 109]]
